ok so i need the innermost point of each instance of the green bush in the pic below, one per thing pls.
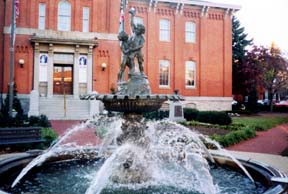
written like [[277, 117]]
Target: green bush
[[235, 137], [190, 114], [157, 115], [23, 121], [40, 121], [49, 135], [214, 117]]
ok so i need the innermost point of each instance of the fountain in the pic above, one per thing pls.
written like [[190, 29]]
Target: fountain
[[136, 156]]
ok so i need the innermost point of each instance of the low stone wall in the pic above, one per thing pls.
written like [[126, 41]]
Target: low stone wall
[[208, 103]]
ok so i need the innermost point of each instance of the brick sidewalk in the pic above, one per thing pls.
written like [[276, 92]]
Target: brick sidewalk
[[83, 137], [273, 141]]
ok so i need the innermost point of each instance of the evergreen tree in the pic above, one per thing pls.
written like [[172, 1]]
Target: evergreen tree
[[239, 44]]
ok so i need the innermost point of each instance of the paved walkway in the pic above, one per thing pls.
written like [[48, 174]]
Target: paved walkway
[[81, 136], [273, 141]]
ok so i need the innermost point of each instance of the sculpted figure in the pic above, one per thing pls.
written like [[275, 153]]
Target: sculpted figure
[[131, 47], [126, 58], [137, 41]]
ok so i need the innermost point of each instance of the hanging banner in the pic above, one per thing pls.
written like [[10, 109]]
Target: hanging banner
[[43, 67], [82, 61]]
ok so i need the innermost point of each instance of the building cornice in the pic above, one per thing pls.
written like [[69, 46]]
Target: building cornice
[[67, 41], [198, 3], [72, 36]]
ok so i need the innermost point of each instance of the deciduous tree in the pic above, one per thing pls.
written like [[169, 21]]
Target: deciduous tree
[[268, 69]]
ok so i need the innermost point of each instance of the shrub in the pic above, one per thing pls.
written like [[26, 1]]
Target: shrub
[[23, 121], [157, 115], [49, 135], [214, 117], [190, 114], [235, 137], [40, 121]]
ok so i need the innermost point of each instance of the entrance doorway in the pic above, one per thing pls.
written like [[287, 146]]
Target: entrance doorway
[[63, 79]]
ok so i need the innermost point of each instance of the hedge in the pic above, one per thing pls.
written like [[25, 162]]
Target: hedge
[[235, 137]]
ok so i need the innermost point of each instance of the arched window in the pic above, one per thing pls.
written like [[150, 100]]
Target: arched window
[[164, 73], [64, 16], [190, 74]]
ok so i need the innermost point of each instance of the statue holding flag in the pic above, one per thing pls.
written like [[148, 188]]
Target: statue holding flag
[[131, 48]]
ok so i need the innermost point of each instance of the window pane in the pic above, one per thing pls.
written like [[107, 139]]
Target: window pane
[[64, 16], [190, 32], [164, 30], [190, 73], [164, 71], [85, 21], [41, 18]]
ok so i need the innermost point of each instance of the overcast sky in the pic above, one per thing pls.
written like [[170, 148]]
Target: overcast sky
[[264, 21]]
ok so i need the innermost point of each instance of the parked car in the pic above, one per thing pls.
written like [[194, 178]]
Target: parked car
[[283, 103]]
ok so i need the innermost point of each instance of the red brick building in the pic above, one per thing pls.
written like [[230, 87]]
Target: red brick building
[[74, 43]]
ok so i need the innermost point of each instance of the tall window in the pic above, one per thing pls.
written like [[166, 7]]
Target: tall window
[[42, 14], [190, 74], [190, 32], [138, 20], [164, 72], [164, 30], [85, 19], [64, 16]]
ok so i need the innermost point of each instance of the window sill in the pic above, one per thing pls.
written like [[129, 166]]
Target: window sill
[[164, 87], [190, 87]]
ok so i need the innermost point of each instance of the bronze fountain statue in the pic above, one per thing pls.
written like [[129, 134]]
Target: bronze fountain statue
[[133, 97]]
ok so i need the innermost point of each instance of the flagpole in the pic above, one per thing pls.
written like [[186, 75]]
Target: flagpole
[[12, 37], [122, 13]]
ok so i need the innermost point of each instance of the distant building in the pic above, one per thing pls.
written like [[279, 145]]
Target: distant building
[[74, 44]]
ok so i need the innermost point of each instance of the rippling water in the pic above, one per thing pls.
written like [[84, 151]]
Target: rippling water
[[74, 177]]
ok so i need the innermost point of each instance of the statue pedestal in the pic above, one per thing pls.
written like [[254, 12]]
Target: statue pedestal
[[176, 111], [137, 84]]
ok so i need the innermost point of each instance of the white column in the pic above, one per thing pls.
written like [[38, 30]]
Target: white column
[[89, 69], [50, 72], [36, 67], [76, 73]]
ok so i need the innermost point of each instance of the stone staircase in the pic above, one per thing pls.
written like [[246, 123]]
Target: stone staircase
[[53, 108]]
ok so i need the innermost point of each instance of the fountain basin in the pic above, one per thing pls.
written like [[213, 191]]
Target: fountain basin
[[10, 167], [132, 104]]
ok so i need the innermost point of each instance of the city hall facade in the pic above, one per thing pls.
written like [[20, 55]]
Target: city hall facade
[[66, 48]]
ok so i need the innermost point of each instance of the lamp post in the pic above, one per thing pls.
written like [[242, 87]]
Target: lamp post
[[12, 38]]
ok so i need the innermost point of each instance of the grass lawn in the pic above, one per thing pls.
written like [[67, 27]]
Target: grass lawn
[[261, 122]]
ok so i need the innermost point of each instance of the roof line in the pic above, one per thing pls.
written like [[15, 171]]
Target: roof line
[[204, 3]]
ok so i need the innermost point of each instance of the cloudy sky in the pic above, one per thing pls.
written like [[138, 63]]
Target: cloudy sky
[[264, 21]]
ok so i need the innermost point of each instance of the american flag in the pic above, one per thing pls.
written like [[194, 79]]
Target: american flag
[[121, 21], [17, 11]]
